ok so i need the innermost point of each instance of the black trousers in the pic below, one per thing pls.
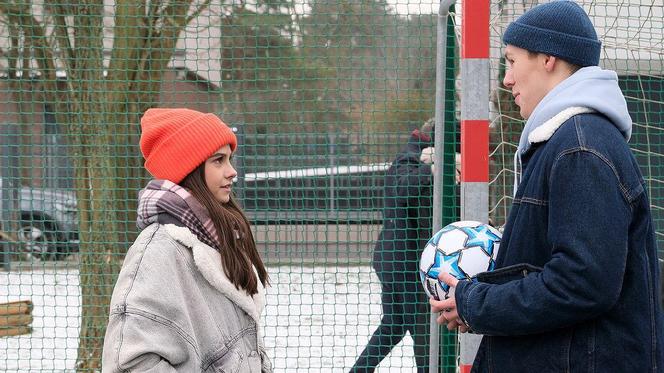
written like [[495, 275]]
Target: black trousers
[[405, 309]]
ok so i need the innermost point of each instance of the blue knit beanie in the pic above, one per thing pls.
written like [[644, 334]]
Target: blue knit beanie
[[559, 28]]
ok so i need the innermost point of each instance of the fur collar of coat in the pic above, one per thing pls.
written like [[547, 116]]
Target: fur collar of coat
[[208, 261]]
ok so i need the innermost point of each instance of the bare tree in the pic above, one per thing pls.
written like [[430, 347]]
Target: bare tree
[[99, 102]]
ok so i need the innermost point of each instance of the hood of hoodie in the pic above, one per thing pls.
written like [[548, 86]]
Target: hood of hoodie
[[591, 88]]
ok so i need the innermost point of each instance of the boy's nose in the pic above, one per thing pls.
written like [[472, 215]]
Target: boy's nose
[[508, 81]]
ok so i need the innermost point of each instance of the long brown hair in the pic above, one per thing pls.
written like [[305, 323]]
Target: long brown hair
[[238, 249]]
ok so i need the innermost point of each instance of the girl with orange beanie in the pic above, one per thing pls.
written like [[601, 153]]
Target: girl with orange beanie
[[191, 289]]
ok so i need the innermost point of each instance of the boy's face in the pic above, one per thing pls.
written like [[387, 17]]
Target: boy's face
[[527, 77]]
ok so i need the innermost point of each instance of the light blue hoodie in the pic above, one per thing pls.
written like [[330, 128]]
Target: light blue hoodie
[[590, 87]]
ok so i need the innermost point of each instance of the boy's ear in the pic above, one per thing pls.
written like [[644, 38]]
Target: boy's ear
[[550, 62]]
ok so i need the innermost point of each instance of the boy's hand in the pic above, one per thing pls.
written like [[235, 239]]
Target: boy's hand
[[447, 309]]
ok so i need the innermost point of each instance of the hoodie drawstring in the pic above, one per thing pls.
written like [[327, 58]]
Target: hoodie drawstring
[[517, 172]]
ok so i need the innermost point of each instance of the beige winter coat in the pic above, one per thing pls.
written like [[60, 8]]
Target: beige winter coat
[[174, 310]]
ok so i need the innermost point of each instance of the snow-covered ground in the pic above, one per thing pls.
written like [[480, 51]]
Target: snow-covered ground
[[317, 319]]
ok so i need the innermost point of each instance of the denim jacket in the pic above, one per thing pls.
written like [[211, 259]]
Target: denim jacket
[[576, 289], [174, 310]]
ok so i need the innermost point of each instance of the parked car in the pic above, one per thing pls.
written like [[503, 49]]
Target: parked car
[[48, 222]]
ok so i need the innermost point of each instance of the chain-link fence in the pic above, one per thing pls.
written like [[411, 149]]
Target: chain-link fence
[[323, 94]]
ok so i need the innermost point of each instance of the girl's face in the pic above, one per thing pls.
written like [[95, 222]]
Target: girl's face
[[219, 174]]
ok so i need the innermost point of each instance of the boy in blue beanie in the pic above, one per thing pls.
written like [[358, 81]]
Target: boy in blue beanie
[[577, 282]]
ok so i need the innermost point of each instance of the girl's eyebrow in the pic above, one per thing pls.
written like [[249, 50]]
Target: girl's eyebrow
[[217, 155]]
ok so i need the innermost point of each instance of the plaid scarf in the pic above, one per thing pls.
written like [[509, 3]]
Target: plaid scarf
[[162, 201]]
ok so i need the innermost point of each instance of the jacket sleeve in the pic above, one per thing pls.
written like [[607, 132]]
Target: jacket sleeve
[[138, 342], [412, 176], [587, 234]]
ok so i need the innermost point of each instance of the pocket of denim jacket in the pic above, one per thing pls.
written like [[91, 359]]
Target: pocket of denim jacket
[[507, 274]]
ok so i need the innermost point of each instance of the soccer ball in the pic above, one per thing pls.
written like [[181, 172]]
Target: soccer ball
[[463, 249]]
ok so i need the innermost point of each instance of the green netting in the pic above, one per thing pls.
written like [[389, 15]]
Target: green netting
[[323, 94]]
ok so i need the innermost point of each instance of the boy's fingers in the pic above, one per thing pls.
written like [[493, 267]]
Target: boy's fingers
[[448, 279], [436, 305]]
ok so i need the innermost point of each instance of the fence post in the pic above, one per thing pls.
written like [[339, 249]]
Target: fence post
[[439, 141], [9, 191], [474, 134]]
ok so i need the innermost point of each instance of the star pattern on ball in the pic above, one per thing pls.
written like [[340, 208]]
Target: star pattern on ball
[[481, 237], [463, 250], [436, 267], [448, 264], [434, 240]]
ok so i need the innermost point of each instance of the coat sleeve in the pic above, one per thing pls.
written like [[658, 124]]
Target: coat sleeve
[[412, 176], [587, 234], [140, 337], [137, 342]]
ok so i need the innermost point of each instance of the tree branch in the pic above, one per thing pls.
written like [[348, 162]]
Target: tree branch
[[60, 32]]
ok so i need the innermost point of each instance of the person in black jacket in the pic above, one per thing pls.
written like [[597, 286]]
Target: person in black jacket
[[406, 229]]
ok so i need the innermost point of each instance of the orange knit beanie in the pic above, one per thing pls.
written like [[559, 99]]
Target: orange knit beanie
[[176, 141]]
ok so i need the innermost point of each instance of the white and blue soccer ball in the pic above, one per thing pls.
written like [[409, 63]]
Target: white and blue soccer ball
[[463, 249]]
